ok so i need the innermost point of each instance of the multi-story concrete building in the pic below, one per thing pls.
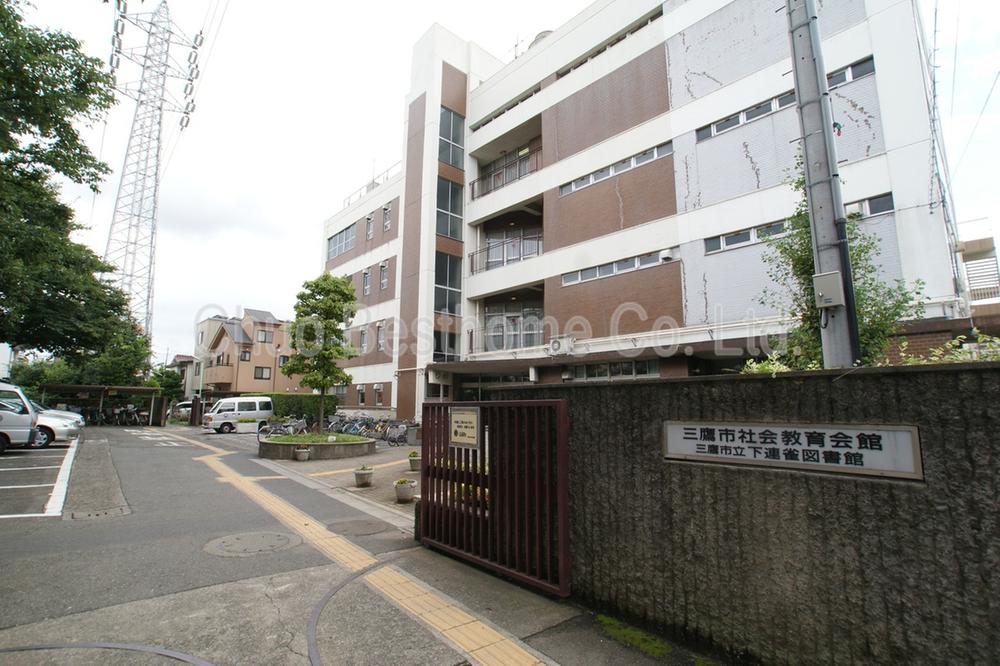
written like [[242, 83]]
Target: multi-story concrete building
[[596, 208], [237, 355]]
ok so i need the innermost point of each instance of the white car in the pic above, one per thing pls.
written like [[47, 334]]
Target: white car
[[61, 413], [54, 428]]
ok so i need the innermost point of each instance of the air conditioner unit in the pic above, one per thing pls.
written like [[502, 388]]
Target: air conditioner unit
[[438, 377], [562, 345], [360, 387], [667, 255], [377, 387]]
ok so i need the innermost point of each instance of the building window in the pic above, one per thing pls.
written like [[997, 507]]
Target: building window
[[339, 390], [452, 141], [361, 394], [743, 237], [264, 335], [616, 370], [638, 159], [852, 73], [197, 369], [378, 395], [611, 268], [261, 372], [201, 337], [370, 227], [245, 355], [513, 325], [876, 205], [340, 242], [445, 346], [387, 217], [282, 360], [363, 343], [366, 282], [449, 209], [380, 337], [447, 283], [383, 276]]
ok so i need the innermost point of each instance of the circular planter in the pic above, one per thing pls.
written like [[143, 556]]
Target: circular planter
[[415, 464], [363, 479], [302, 455], [317, 451], [404, 491]]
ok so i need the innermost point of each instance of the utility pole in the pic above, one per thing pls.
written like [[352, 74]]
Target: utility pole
[[833, 281]]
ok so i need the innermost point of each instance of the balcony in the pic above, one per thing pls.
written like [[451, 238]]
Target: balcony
[[219, 373], [506, 170], [498, 253]]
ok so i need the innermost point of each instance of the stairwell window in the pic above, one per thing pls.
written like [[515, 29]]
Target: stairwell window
[[386, 217], [383, 276], [451, 141], [447, 283], [366, 282], [449, 209], [380, 337]]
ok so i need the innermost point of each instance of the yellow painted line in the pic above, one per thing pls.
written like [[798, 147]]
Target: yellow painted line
[[480, 641], [351, 469], [315, 533]]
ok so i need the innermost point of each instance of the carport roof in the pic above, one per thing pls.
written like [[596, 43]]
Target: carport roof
[[78, 388]]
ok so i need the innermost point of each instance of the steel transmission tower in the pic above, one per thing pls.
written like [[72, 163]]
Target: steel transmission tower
[[131, 247]]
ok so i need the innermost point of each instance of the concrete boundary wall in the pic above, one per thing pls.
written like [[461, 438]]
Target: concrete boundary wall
[[783, 566]]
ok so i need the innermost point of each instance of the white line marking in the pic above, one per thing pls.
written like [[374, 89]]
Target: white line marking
[[57, 455], [54, 506], [21, 469], [25, 515], [33, 485]]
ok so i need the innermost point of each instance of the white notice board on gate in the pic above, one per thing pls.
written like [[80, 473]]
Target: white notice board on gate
[[871, 450], [463, 427]]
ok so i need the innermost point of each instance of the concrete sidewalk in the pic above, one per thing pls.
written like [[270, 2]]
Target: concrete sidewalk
[[401, 604]]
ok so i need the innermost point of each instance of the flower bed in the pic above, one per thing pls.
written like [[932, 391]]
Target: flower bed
[[283, 447]]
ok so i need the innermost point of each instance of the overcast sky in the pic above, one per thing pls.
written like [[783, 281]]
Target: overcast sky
[[276, 142]]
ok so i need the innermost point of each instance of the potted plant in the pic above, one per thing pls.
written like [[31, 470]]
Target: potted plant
[[302, 452], [405, 489], [363, 476], [246, 425], [414, 461]]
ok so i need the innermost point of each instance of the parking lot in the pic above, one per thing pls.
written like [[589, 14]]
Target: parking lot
[[33, 482]]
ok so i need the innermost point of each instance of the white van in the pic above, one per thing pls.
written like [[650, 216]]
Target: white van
[[228, 411], [17, 418]]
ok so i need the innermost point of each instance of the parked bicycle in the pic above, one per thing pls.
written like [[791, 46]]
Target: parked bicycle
[[288, 427]]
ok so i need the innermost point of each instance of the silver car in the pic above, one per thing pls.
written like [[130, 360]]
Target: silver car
[[54, 428], [61, 413]]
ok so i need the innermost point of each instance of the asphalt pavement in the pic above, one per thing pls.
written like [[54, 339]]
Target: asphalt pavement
[[177, 546]]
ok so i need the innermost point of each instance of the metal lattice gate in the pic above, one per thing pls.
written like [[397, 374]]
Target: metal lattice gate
[[504, 503]]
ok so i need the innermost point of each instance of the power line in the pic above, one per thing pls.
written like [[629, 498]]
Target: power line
[[976, 126]]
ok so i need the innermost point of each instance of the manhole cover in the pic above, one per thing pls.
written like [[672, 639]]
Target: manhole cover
[[251, 543], [362, 527]]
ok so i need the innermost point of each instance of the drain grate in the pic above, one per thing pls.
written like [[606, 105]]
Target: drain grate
[[251, 543]]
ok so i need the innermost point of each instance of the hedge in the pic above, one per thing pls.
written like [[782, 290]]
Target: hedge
[[286, 404]]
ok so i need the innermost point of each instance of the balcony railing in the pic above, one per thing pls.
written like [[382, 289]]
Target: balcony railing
[[509, 251], [383, 177], [517, 169]]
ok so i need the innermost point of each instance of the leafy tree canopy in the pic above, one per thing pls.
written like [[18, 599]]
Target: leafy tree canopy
[[322, 308], [169, 382], [51, 295], [881, 305]]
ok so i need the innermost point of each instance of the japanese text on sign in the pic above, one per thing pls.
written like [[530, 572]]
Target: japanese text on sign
[[875, 450], [464, 427]]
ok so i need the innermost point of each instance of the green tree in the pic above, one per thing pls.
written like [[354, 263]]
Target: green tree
[[880, 305], [321, 309], [51, 295], [31, 376], [123, 360], [168, 381]]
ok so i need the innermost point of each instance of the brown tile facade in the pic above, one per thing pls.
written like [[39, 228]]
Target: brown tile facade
[[628, 96], [362, 244], [453, 86], [656, 290], [350, 398], [634, 197], [373, 355], [376, 294], [410, 291]]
